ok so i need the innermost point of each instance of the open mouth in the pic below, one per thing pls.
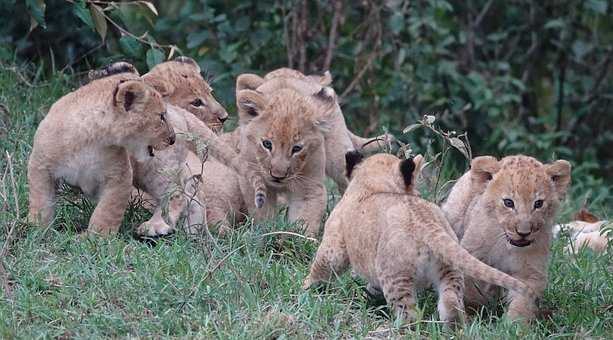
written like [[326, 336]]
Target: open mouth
[[520, 243], [150, 150]]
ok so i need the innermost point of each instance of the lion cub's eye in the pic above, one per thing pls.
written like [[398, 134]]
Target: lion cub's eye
[[197, 103], [538, 204], [267, 144], [296, 149], [508, 203]]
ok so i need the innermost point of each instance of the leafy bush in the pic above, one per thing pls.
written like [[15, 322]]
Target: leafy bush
[[519, 76]]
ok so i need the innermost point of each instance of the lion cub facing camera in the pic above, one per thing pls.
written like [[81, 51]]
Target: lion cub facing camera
[[397, 241], [86, 140]]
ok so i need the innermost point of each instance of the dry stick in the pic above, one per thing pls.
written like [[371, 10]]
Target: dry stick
[[290, 233], [303, 35], [3, 273], [338, 7], [286, 38], [209, 273], [359, 76], [128, 33]]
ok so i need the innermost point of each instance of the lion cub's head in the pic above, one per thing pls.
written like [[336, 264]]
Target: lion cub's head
[[284, 130], [140, 116], [181, 84], [521, 193], [284, 78], [382, 173], [140, 113]]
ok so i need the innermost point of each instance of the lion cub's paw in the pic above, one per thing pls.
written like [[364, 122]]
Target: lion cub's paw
[[260, 199], [308, 283], [153, 229]]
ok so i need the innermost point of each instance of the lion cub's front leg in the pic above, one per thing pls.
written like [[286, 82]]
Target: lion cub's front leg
[[308, 205], [41, 195], [523, 308], [113, 202]]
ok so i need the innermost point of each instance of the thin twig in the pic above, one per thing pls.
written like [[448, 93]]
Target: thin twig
[[290, 233], [338, 7], [5, 247], [359, 76]]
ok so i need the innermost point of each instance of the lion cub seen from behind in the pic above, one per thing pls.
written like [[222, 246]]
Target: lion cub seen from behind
[[396, 240], [86, 140]]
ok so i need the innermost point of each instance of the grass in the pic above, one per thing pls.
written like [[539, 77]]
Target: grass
[[243, 286]]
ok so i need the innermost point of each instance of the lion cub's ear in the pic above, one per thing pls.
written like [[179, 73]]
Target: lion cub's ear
[[321, 79], [131, 95], [188, 61], [483, 168], [248, 81], [559, 172], [250, 105], [164, 87], [410, 169], [352, 158], [325, 101]]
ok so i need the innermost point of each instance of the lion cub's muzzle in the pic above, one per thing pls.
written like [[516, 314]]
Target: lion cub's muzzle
[[520, 239], [168, 139]]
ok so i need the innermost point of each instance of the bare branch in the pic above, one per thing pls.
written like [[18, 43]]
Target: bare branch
[[338, 7]]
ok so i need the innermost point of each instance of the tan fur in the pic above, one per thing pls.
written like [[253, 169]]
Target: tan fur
[[192, 195], [173, 179], [491, 231], [585, 234], [397, 241], [338, 139], [181, 84], [86, 140], [271, 118]]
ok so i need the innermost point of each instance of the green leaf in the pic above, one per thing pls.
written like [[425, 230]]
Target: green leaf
[[555, 23], [598, 6], [411, 128], [154, 57], [131, 46], [99, 20], [396, 22], [196, 39], [37, 13], [458, 144], [82, 13]]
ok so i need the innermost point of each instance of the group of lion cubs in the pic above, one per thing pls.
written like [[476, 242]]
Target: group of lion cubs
[[123, 130]]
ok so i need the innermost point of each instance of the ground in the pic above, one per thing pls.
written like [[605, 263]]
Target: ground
[[242, 286]]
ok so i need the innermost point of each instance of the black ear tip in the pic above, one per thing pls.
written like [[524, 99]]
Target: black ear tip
[[407, 167], [352, 158]]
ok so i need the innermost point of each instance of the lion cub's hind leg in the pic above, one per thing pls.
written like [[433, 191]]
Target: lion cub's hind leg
[[450, 294], [397, 282], [331, 258]]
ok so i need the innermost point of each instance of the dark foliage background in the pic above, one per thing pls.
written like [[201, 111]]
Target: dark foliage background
[[519, 76]]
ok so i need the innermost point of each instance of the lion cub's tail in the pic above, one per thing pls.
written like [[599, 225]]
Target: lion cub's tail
[[451, 252]]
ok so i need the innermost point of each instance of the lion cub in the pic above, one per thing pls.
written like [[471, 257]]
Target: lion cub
[[503, 212], [282, 138], [338, 139], [87, 139], [396, 240], [174, 174]]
